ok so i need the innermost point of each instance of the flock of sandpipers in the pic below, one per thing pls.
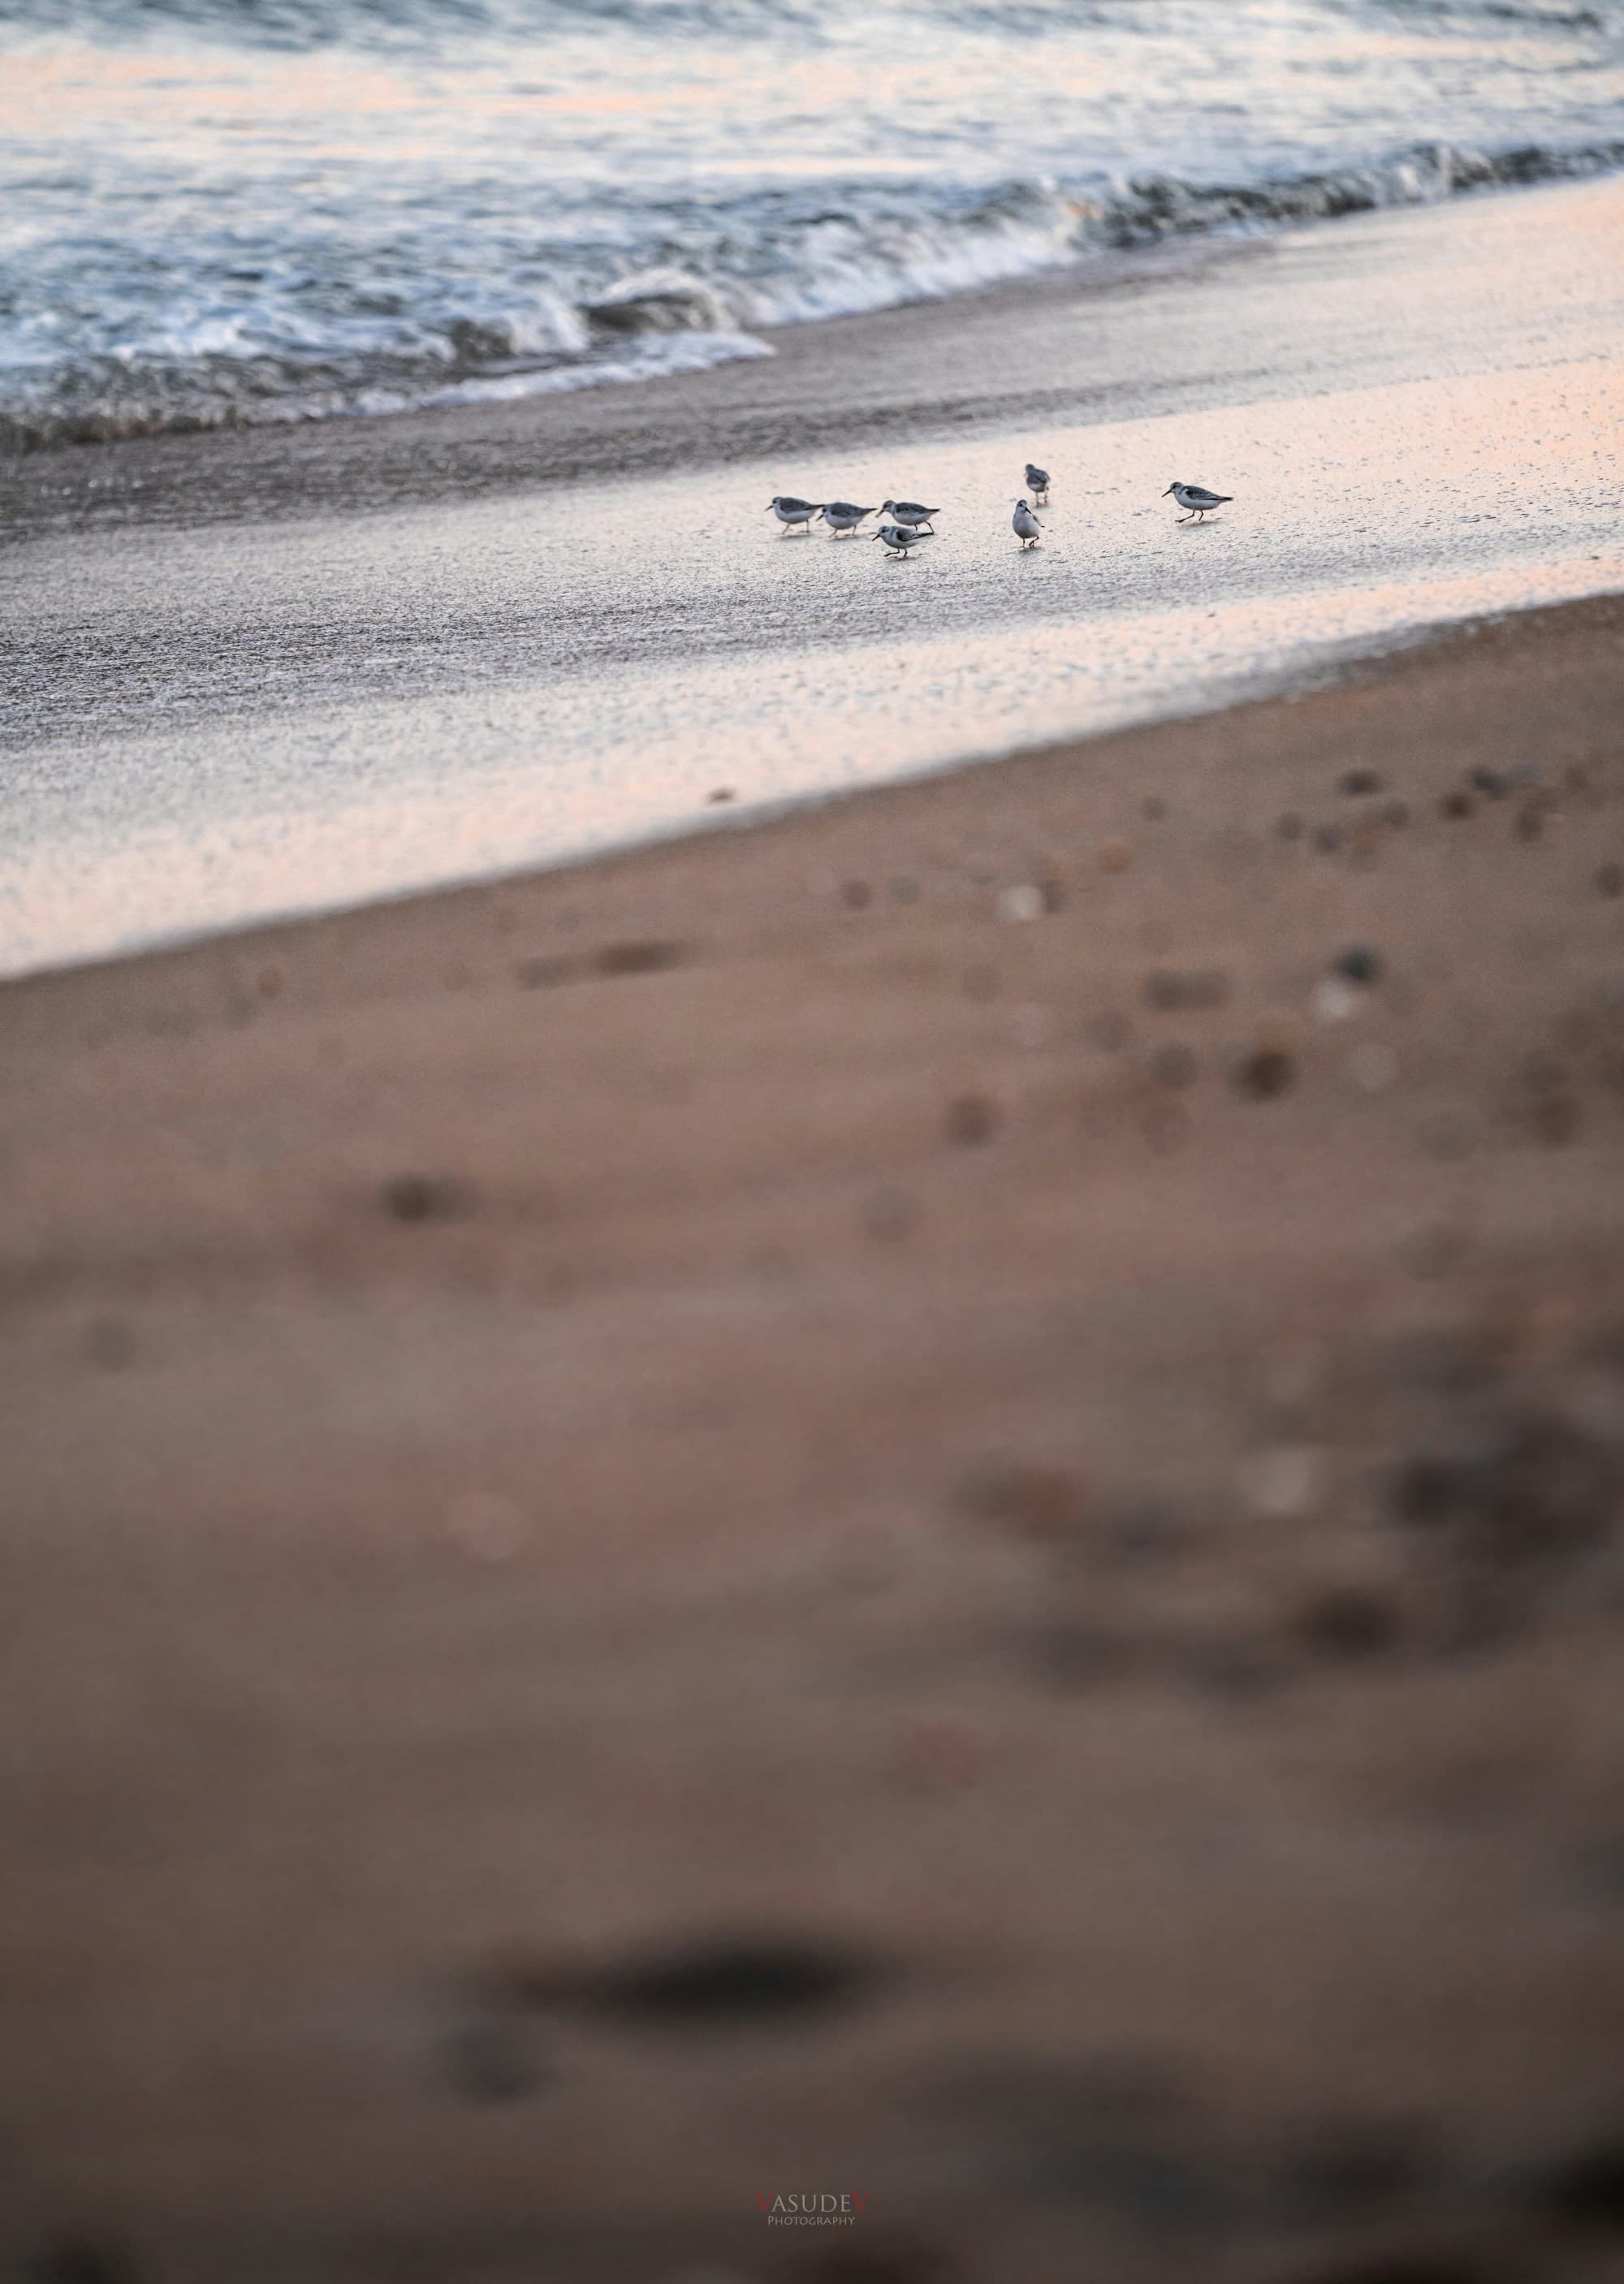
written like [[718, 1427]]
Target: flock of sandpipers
[[910, 522]]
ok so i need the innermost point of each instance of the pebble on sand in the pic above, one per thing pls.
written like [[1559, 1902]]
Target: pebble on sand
[[1358, 963], [971, 1119], [1026, 901], [1266, 1075], [425, 1198], [637, 959]]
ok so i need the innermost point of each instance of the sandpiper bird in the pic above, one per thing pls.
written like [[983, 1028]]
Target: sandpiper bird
[[840, 515], [908, 512], [1195, 499], [794, 510], [1037, 482], [1027, 526], [899, 537]]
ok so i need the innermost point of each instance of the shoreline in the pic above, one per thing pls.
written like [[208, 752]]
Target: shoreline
[[869, 1385], [1346, 667], [214, 721], [713, 416]]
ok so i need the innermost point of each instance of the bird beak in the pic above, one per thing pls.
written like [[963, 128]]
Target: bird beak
[[1169, 489]]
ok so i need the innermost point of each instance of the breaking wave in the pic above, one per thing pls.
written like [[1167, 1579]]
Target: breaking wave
[[484, 199]]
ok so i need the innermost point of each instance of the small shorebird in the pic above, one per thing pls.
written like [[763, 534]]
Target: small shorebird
[[899, 537], [1195, 499], [1037, 482], [908, 512], [1027, 528], [791, 511], [840, 515]]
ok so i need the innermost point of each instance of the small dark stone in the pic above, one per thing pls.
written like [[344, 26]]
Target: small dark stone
[[1349, 1623], [1357, 963], [971, 1119], [1172, 1066], [742, 1983], [1586, 2191], [1609, 879], [637, 959], [1355, 783], [1167, 988], [1290, 827], [1492, 783], [1328, 837], [1457, 804], [1153, 807], [721, 794], [1266, 1075], [425, 1198], [857, 895], [1528, 1499], [84, 2260]]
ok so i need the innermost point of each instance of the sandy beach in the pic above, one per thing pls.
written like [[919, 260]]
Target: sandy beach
[[921, 1501], [812, 1372]]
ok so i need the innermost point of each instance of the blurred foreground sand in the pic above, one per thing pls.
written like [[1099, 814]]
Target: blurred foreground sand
[[926, 1501]]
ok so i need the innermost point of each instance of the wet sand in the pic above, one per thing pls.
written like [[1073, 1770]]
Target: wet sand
[[255, 675], [923, 1501]]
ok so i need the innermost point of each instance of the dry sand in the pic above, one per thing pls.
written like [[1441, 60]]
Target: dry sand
[[922, 1502]]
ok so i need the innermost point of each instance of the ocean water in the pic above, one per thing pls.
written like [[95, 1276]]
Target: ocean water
[[218, 211]]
